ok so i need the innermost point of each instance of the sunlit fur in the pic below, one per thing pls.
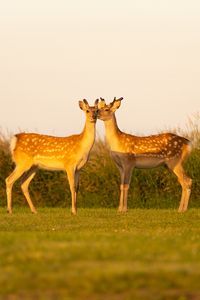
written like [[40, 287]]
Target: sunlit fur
[[129, 152], [31, 151]]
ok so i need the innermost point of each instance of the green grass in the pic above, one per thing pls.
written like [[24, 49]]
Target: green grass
[[99, 254]]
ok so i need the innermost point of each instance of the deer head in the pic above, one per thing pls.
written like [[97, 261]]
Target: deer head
[[90, 111], [106, 111]]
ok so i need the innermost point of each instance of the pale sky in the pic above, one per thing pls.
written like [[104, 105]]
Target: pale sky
[[54, 53]]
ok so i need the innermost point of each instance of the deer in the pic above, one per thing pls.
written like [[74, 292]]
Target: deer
[[32, 151], [129, 151]]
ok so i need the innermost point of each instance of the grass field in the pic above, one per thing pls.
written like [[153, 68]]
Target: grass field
[[99, 254]]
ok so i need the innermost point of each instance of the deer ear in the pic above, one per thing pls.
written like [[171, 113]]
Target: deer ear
[[83, 104], [85, 101], [96, 103], [116, 104]]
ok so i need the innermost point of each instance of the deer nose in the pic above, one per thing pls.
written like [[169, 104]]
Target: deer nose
[[96, 113]]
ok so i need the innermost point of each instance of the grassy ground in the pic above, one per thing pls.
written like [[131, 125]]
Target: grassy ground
[[99, 254]]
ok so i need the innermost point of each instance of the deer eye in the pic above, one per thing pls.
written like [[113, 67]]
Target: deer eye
[[87, 111], [106, 109]]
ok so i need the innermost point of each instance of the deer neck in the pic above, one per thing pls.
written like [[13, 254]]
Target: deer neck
[[112, 133], [88, 134]]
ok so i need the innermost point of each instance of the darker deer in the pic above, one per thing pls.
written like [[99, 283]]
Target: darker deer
[[129, 152]]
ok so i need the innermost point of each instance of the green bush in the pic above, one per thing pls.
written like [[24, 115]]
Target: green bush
[[99, 182]]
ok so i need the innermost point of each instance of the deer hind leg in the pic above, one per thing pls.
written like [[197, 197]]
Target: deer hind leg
[[10, 180], [25, 181], [186, 183]]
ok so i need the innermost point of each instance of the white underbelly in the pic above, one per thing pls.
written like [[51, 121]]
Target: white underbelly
[[143, 162], [137, 161], [50, 165]]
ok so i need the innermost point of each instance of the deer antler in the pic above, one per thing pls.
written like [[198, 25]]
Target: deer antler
[[102, 103], [118, 99]]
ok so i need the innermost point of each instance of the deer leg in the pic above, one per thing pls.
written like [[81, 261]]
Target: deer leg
[[125, 196], [76, 183], [127, 179], [122, 190], [26, 179], [188, 192], [124, 187], [186, 183], [10, 180], [72, 184], [121, 199]]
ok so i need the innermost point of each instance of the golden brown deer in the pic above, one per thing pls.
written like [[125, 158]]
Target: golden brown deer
[[129, 151], [31, 151]]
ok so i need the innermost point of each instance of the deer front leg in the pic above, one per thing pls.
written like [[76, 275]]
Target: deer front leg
[[127, 179], [76, 183], [72, 183], [121, 199], [124, 187], [10, 180]]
